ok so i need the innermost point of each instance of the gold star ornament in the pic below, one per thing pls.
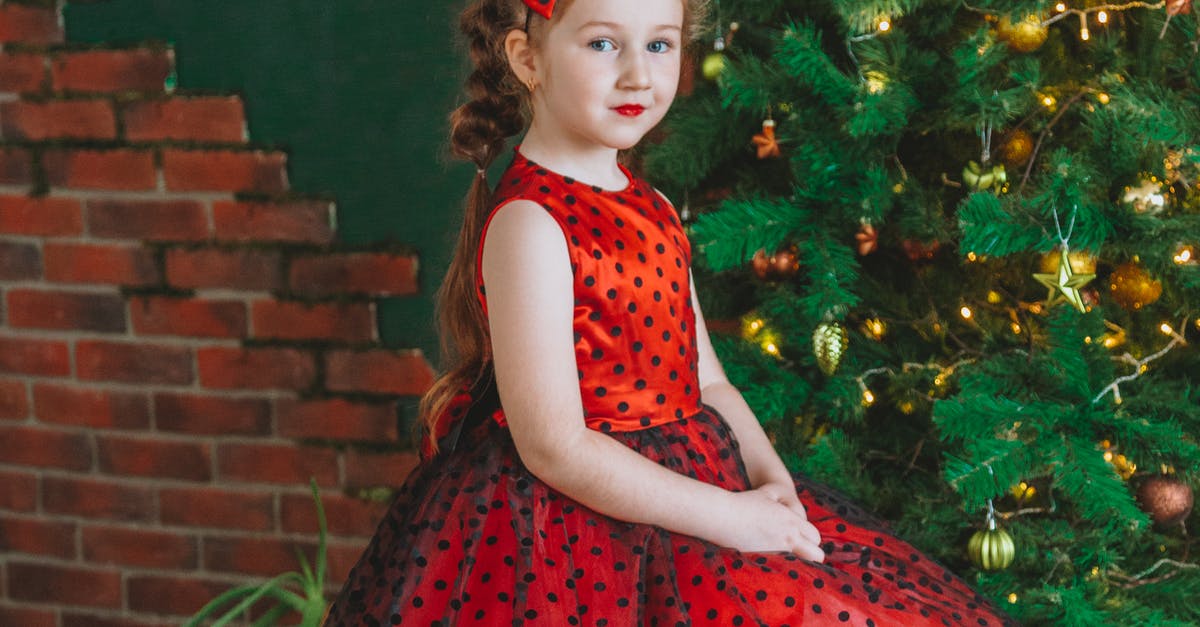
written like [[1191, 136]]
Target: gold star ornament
[[1065, 283]]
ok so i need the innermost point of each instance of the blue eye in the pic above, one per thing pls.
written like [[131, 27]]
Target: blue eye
[[602, 43], [661, 45]]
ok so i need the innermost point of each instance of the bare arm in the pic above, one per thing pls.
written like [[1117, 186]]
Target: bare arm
[[762, 462], [527, 270]]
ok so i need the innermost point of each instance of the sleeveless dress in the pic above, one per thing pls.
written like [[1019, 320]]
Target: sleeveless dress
[[473, 538]]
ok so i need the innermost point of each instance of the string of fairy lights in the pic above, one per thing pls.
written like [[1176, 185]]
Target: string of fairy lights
[[1066, 273]]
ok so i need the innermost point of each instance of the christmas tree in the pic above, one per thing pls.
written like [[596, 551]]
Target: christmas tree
[[953, 247]]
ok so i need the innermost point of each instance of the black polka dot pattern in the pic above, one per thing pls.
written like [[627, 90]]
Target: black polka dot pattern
[[623, 284], [474, 538]]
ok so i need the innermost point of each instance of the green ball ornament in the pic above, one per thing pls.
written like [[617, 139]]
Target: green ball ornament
[[991, 548], [713, 66]]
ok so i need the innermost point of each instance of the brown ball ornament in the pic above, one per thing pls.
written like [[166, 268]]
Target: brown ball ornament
[[1017, 149], [1167, 499], [1132, 287], [761, 265], [786, 263]]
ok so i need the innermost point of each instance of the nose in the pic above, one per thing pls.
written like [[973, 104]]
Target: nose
[[635, 71]]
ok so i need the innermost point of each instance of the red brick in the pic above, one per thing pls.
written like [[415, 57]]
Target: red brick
[[345, 516], [16, 166], [19, 261], [67, 585], [113, 264], [57, 119], [70, 619], [45, 448], [118, 168], [178, 595], [19, 493], [370, 273], [225, 170], [99, 360], [184, 220], [254, 555], [336, 419], [382, 371], [308, 221], [27, 616], [97, 409], [99, 499], [366, 469], [255, 368], [161, 315], [217, 508], [229, 269], [112, 70], [341, 558], [204, 118], [347, 322], [211, 415], [49, 358], [41, 216], [88, 311], [37, 537], [189, 461], [14, 400], [21, 72], [138, 547], [273, 463], [29, 24]]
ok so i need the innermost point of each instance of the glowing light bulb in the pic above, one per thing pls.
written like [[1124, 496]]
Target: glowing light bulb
[[1016, 329], [971, 256], [965, 312], [771, 348], [1102, 17], [1012, 597], [1083, 34], [884, 25], [1184, 255], [1108, 456], [1049, 101], [1102, 97], [868, 398], [1083, 29], [1166, 329], [756, 325]]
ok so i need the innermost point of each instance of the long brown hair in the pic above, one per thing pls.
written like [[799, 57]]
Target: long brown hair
[[499, 108]]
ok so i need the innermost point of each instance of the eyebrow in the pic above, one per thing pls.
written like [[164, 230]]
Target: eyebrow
[[614, 25]]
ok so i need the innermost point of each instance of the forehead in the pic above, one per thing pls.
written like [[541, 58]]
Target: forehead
[[632, 15]]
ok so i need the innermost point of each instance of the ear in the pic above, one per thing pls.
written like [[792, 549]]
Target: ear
[[520, 55]]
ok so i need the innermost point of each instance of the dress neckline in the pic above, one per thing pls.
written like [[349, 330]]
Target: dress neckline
[[596, 188]]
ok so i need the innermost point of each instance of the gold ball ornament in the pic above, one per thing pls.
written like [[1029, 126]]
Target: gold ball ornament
[[1081, 262], [829, 344], [1025, 36], [1167, 499], [991, 548], [1132, 287], [713, 65], [980, 177], [1017, 149]]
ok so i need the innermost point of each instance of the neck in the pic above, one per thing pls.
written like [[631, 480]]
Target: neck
[[591, 163]]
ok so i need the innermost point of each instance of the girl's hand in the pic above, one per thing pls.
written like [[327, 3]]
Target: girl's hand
[[760, 520]]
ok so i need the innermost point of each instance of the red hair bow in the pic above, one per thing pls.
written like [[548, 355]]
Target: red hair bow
[[542, 7]]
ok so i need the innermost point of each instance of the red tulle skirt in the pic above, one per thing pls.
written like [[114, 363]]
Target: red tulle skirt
[[475, 539]]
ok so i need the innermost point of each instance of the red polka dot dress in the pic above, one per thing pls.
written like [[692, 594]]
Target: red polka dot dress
[[474, 538]]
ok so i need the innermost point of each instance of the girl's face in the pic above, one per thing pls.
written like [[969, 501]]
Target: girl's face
[[608, 70]]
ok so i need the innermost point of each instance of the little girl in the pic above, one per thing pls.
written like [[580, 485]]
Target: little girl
[[586, 462]]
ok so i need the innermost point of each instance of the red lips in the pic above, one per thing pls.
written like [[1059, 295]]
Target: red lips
[[630, 110]]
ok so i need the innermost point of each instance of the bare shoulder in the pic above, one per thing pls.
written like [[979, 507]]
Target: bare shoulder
[[521, 233]]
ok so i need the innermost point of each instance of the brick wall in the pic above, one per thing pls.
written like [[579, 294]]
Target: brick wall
[[183, 343]]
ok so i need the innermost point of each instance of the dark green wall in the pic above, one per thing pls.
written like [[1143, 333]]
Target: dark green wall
[[357, 93]]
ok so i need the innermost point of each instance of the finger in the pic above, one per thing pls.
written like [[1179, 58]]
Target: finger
[[809, 551], [810, 532]]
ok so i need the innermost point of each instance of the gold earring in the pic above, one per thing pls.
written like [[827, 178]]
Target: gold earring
[[532, 84]]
